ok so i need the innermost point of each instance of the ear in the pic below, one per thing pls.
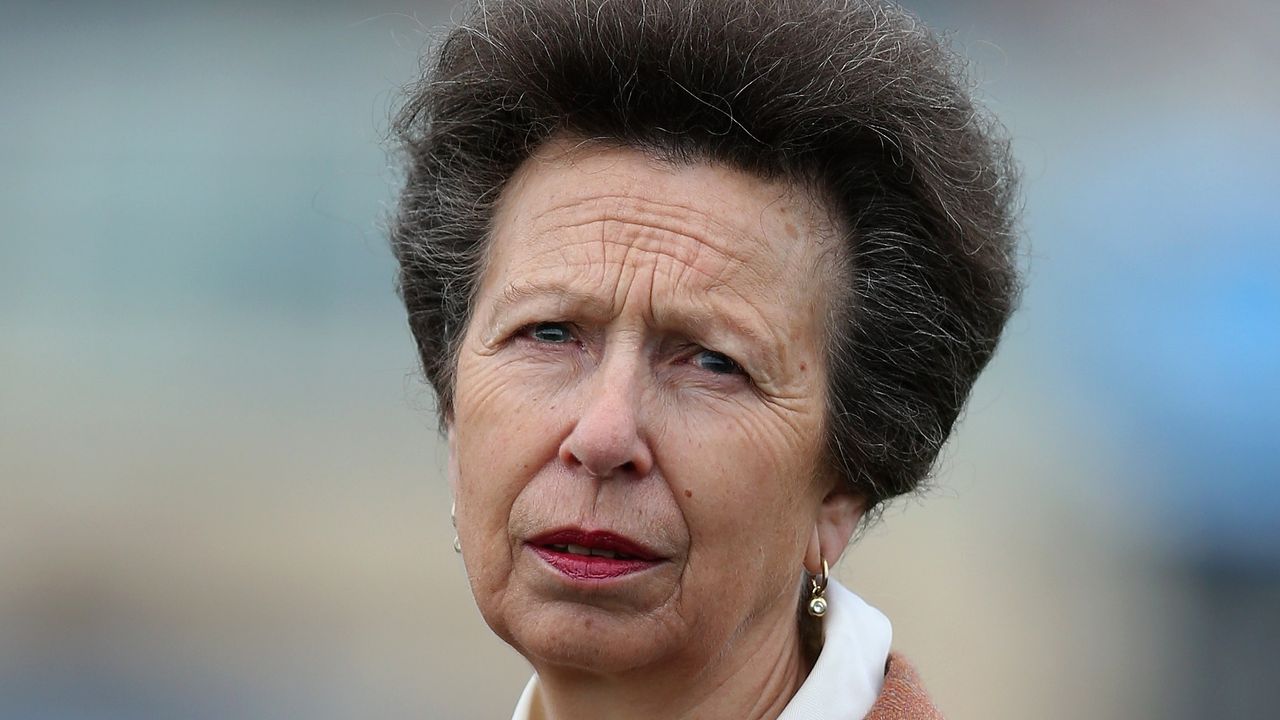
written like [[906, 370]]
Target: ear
[[838, 517]]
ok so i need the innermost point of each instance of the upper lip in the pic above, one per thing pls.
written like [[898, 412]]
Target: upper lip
[[596, 539]]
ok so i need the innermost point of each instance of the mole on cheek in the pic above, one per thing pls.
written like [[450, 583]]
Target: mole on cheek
[[688, 493], [803, 366]]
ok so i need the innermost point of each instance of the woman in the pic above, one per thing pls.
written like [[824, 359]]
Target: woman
[[699, 286]]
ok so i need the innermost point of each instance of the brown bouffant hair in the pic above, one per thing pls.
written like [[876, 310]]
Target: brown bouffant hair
[[854, 98]]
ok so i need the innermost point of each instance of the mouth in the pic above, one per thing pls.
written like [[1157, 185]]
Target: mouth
[[592, 555]]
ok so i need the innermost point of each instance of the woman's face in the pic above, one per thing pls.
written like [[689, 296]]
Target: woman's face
[[639, 410]]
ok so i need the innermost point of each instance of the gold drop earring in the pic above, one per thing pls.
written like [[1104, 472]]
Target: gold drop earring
[[817, 591]]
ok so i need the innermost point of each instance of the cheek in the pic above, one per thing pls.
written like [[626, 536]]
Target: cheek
[[503, 431], [733, 449], [746, 484], [509, 416]]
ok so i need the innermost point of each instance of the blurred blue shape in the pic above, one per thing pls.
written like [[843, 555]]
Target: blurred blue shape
[[1178, 326]]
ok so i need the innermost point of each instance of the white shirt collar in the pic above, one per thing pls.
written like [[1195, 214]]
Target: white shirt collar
[[846, 679], [524, 708]]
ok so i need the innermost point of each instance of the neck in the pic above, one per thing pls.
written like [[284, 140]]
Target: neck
[[753, 680]]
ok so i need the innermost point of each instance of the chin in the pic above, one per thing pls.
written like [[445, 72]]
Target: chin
[[572, 636]]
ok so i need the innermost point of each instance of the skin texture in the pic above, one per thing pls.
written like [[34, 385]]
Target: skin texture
[[645, 357]]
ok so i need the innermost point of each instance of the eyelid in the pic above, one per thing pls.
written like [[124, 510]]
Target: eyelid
[[569, 328], [730, 361], [739, 371]]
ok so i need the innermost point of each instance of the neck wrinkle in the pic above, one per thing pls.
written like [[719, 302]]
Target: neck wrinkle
[[757, 685]]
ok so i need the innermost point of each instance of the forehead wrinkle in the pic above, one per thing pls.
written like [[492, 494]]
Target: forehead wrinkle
[[717, 268], [675, 219], [677, 270]]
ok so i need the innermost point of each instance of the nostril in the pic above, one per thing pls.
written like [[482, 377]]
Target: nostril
[[570, 458]]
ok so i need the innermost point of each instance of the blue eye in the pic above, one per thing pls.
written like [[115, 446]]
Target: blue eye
[[715, 362], [551, 332]]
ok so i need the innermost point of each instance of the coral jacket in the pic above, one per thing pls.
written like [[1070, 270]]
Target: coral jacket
[[903, 696]]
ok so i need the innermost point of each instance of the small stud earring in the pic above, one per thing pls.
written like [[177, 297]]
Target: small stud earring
[[817, 590], [453, 518]]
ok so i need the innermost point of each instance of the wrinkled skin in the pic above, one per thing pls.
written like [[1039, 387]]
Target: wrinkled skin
[[645, 356]]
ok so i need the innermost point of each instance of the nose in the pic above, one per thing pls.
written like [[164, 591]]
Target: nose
[[607, 440]]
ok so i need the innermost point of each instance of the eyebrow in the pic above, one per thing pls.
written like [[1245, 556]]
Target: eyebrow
[[597, 307], [515, 295]]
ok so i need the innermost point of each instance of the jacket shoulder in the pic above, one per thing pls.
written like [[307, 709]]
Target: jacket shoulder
[[903, 696]]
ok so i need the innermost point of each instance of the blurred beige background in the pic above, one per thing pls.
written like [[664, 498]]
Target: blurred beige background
[[222, 492]]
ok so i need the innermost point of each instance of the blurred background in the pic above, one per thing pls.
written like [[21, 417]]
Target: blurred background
[[221, 489]]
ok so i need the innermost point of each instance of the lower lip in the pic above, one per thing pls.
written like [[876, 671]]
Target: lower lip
[[591, 567]]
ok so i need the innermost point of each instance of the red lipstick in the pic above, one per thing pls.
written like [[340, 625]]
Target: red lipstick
[[592, 555]]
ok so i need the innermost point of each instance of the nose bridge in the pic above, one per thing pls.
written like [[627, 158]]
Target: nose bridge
[[608, 437]]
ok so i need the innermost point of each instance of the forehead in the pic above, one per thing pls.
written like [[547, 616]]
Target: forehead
[[722, 231]]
